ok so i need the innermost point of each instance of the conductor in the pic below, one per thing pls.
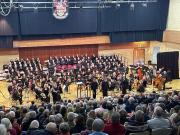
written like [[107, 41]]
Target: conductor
[[94, 86]]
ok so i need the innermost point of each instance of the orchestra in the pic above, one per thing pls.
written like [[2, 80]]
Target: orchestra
[[106, 73]]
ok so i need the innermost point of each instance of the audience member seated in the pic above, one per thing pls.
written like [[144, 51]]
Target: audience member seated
[[98, 127], [142, 108], [114, 128], [136, 125], [158, 121], [64, 129], [130, 105], [70, 119], [8, 125], [32, 127], [3, 130], [79, 125], [88, 130]]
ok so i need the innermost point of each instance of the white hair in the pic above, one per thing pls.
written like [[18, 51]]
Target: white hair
[[175, 98], [131, 99], [161, 99], [51, 127], [158, 111], [7, 123], [12, 114], [3, 130], [34, 124]]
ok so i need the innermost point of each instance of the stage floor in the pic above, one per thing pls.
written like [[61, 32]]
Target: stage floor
[[5, 98]]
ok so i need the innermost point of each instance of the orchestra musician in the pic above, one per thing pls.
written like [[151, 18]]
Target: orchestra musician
[[46, 90], [139, 72], [159, 81]]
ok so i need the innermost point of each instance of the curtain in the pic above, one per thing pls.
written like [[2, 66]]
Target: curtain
[[169, 60]]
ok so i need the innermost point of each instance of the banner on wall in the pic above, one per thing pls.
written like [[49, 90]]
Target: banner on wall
[[60, 9], [156, 50]]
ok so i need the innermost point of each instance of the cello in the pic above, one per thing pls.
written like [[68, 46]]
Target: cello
[[159, 81]]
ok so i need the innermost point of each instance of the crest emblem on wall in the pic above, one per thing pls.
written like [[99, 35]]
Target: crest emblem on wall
[[60, 9]]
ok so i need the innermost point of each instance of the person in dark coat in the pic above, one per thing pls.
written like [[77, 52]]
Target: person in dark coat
[[105, 87], [94, 86], [51, 129], [32, 127], [79, 126], [124, 85]]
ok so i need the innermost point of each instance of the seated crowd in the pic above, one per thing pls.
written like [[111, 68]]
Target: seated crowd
[[111, 116]]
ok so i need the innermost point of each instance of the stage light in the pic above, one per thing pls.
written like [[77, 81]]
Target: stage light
[[118, 5], [132, 6], [36, 7], [21, 7], [144, 4]]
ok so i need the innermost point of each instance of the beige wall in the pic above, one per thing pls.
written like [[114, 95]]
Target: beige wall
[[164, 47], [174, 15], [6, 55]]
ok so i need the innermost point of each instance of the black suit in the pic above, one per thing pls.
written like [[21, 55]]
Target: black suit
[[94, 86], [105, 87]]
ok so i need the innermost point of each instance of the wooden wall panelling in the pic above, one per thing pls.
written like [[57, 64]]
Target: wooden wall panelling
[[138, 55]]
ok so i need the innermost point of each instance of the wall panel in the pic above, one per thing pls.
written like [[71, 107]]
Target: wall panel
[[173, 16], [8, 54]]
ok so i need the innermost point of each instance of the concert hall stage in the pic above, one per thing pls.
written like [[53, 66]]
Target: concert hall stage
[[5, 99]]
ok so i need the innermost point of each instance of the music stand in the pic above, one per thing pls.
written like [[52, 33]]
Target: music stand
[[64, 90], [79, 88]]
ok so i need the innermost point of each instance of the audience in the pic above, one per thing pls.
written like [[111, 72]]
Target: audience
[[110, 116]]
